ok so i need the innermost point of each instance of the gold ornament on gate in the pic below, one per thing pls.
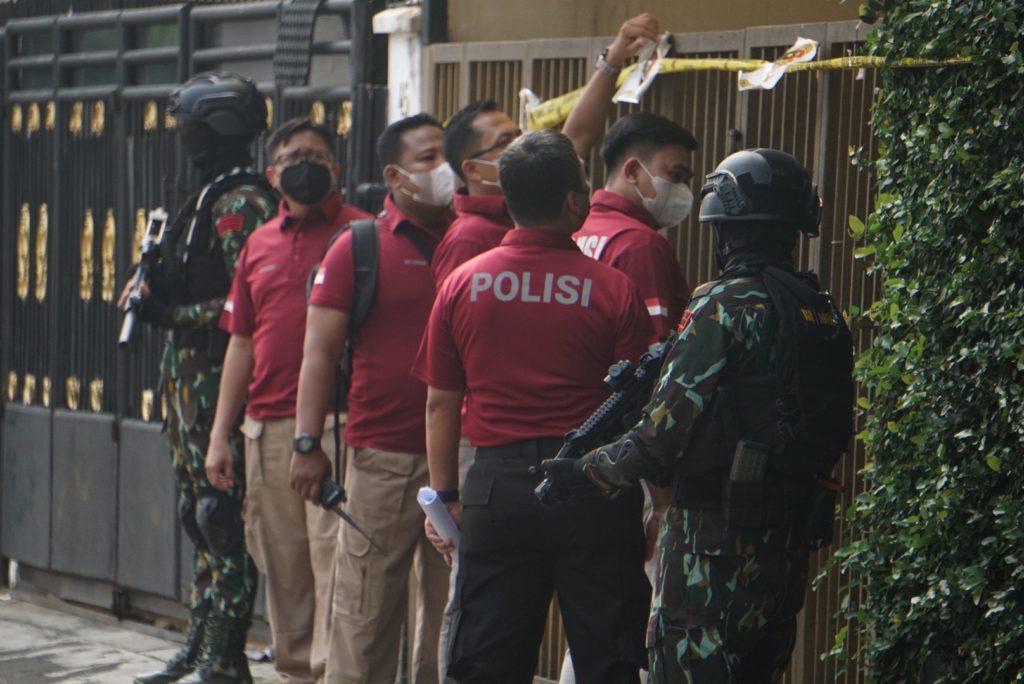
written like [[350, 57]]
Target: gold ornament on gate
[[50, 117], [150, 117], [345, 119], [139, 235], [76, 119], [28, 391], [146, 405], [32, 123], [96, 395], [107, 272], [12, 385], [72, 390], [21, 284], [47, 390], [170, 122], [17, 118], [317, 112], [163, 406], [42, 240], [99, 116], [85, 261], [270, 112]]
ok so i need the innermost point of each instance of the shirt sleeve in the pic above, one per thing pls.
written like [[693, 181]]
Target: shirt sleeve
[[691, 372], [634, 333], [239, 313], [438, 362], [451, 254], [234, 216], [655, 270], [334, 284]]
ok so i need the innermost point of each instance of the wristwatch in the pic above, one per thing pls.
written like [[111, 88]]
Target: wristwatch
[[448, 495], [602, 64], [306, 443]]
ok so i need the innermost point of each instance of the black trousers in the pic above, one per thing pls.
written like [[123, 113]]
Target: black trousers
[[515, 552]]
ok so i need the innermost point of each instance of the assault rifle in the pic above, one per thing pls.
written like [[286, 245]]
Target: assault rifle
[[631, 389], [331, 498], [150, 255]]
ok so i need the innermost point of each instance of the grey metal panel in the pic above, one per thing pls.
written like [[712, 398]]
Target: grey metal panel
[[26, 485], [147, 520], [84, 507]]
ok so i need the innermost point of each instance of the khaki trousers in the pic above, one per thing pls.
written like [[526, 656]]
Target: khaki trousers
[[371, 589], [293, 543]]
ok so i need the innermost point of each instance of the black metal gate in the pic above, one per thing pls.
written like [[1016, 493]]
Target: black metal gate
[[87, 151]]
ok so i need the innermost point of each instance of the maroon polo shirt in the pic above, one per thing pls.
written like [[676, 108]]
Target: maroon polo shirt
[[480, 223], [529, 329], [625, 236], [268, 299], [385, 402]]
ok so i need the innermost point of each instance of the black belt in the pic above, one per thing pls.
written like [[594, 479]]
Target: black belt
[[531, 450]]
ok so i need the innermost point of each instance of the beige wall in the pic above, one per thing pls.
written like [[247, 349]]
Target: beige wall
[[477, 20]]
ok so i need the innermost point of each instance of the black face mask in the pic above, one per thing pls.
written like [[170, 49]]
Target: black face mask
[[306, 182]]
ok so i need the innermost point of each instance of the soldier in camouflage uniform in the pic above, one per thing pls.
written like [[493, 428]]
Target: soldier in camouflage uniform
[[218, 115], [751, 412]]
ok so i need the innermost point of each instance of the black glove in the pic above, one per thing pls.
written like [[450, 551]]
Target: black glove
[[153, 311], [563, 471]]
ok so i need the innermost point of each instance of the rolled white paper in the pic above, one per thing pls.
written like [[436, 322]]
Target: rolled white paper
[[438, 515]]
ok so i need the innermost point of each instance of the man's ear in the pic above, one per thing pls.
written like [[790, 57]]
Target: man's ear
[[631, 170], [335, 173], [392, 177], [270, 173], [469, 170]]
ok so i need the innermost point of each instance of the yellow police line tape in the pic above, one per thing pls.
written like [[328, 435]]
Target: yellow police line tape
[[553, 112]]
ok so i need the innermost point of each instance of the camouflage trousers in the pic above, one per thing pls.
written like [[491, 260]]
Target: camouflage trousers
[[725, 601], [223, 573]]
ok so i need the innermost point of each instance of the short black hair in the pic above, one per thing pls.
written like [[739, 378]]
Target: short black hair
[[537, 172], [642, 134], [283, 133], [460, 134], [389, 144]]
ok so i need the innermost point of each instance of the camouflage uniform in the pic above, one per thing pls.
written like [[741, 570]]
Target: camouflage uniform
[[726, 598], [191, 379]]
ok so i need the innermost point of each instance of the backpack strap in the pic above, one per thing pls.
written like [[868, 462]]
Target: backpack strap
[[366, 263], [420, 241]]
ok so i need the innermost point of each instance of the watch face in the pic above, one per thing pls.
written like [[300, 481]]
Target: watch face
[[304, 444]]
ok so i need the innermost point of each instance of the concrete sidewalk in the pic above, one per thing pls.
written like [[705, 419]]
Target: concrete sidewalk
[[45, 640]]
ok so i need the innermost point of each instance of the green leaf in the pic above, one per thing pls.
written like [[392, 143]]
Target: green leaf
[[863, 402], [856, 227], [862, 252], [993, 462]]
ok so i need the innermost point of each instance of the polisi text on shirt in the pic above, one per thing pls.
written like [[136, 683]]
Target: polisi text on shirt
[[532, 288]]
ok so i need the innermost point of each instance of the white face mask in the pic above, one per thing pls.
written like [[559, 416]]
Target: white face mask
[[492, 163], [671, 203], [435, 186]]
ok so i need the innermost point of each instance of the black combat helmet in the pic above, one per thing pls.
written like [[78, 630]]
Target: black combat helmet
[[229, 104], [761, 185]]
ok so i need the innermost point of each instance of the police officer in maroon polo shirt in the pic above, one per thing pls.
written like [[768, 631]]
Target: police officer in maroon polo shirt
[[385, 417], [648, 167], [291, 540], [526, 332], [474, 138]]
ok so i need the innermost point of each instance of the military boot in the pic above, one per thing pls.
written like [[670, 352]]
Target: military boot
[[223, 660], [184, 661]]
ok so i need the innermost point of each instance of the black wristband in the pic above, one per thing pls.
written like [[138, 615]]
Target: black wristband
[[448, 495]]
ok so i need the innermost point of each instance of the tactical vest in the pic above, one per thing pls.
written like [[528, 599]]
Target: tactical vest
[[192, 261], [802, 409]]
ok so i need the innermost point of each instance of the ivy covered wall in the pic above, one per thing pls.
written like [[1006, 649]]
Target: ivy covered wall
[[938, 591]]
